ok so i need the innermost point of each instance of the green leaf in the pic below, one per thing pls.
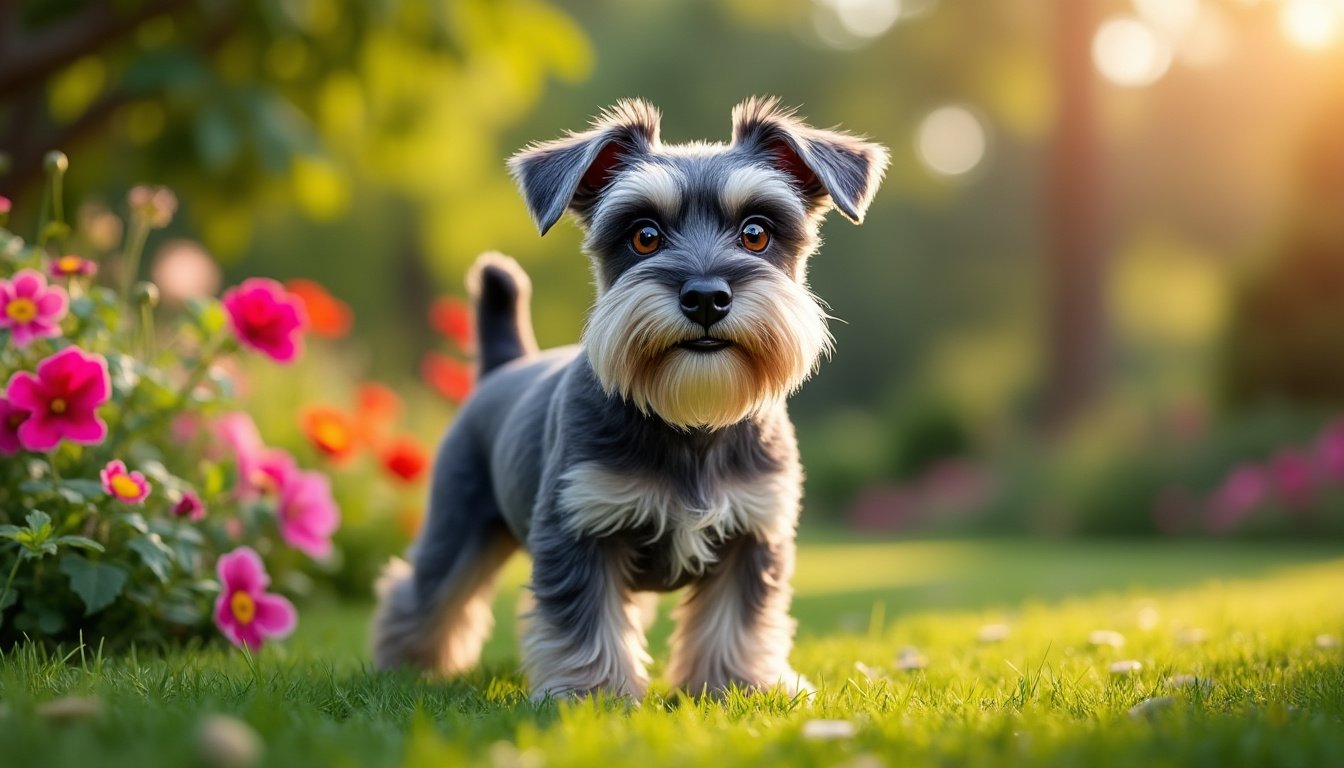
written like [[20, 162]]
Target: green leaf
[[97, 584], [82, 307], [39, 523], [79, 542], [134, 520], [9, 532], [209, 316], [89, 489], [9, 599], [155, 554]]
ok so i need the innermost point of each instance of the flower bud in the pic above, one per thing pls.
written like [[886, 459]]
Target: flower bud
[[145, 294], [56, 162]]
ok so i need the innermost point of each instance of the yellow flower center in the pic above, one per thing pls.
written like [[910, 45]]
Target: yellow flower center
[[57, 406], [21, 310], [68, 265], [125, 487], [243, 606]]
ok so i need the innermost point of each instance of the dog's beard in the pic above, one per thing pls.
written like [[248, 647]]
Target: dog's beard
[[777, 332]]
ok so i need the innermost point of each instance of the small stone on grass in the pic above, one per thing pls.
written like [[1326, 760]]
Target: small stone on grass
[[1106, 637], [1126, 667], [1151, 706], [911, 660], [992, 633], [1327, 641], [227, 742], [829, 730], [70, 709]]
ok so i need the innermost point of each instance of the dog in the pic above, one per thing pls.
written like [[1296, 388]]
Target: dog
[[657, 454]]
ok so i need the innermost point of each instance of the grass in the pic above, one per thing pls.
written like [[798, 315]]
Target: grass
[[1268, 689]]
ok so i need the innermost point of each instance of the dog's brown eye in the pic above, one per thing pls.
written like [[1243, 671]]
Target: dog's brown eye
[[646, 239], [755, 237]]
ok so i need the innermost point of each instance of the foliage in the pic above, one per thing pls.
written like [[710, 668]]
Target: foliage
[[1237, 673], [117, 490]]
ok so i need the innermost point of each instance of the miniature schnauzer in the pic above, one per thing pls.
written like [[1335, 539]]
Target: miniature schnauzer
[[658, 453]]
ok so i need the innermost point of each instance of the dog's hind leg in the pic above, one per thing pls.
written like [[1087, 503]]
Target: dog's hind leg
[[434, 613]]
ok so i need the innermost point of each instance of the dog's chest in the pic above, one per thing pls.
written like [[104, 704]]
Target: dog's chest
[[673, 534]]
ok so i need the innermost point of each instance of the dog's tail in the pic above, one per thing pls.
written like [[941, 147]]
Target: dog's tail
[[503, 321]]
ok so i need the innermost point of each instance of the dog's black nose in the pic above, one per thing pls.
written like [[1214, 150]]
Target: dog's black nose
[[705, 300]]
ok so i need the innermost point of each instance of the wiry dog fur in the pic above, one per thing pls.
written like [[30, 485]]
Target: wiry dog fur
[[658, 454]]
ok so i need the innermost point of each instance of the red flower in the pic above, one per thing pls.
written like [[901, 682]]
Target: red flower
[[405, 458], [449, 377], [327, 315], [267, 318], [330, 431], [452, 318]]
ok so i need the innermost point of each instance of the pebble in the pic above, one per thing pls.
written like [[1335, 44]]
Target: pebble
[[227, 742], [1186, 681], [1126, 667], [69, 709], [829, 730], [911, 660], [1106, 637], [1151, 706], [993, 633], [1327, 641]]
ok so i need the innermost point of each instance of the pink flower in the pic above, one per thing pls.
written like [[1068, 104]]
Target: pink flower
[[30, 309], [261, 470], [10, 419], [1330, 452], [62, 400], [5, 205], [127, 487], [244, 611], [1244, 489], [72, 266], [267, 318], [190, 507], [308, 514], [1294, 478]]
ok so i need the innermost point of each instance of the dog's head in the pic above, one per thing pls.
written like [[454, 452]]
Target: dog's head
[[703, 314]]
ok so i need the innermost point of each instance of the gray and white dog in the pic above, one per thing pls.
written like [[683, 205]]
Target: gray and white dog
[[657, 454]]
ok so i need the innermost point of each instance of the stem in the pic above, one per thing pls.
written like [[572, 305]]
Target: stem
[[135, 245], [55, 473], [58, 212], [8, 583], [197, 373], [147, 329]]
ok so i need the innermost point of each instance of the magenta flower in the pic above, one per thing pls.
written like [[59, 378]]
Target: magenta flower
[[127, 487], [245, 612], [30, 309], [1244, 489], [1330, 452], [62, 400], [10, 419], [190, 507], [308, 514], [72, 266], [267, 318], [261, 470], [1294, 478]]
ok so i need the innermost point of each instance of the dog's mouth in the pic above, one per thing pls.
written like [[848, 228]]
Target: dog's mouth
[[705, 344]]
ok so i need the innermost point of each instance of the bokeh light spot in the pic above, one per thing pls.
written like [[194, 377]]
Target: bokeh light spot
[[1129, 53], [951, 141], [1311, 24]]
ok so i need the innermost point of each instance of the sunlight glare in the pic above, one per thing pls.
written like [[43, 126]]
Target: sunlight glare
[[1311, 24], [1129, 53], [1171, 18]]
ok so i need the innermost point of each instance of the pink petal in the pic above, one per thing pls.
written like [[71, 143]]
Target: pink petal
[[276, 616], [53, 302], [40, 432], [22, 335], [25, 392], [242, 569], [27, 283], [89, 431]]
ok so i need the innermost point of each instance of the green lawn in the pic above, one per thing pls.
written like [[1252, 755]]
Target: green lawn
[[1255, 626]]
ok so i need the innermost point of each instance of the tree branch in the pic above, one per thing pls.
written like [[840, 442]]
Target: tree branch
[[30, 60]]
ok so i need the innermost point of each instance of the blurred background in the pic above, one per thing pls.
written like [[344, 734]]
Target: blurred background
[[1101, 291]]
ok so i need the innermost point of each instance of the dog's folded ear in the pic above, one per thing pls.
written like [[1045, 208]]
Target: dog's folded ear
[[568, 173], [829, 167]]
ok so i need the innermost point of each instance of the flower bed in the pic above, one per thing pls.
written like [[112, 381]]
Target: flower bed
[[137, 504]]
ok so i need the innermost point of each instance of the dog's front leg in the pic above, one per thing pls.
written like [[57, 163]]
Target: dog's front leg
[[734, 627], [584, 635]]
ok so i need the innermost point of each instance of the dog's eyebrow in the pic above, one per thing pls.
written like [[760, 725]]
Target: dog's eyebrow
[[645, 185], [755, 183]]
